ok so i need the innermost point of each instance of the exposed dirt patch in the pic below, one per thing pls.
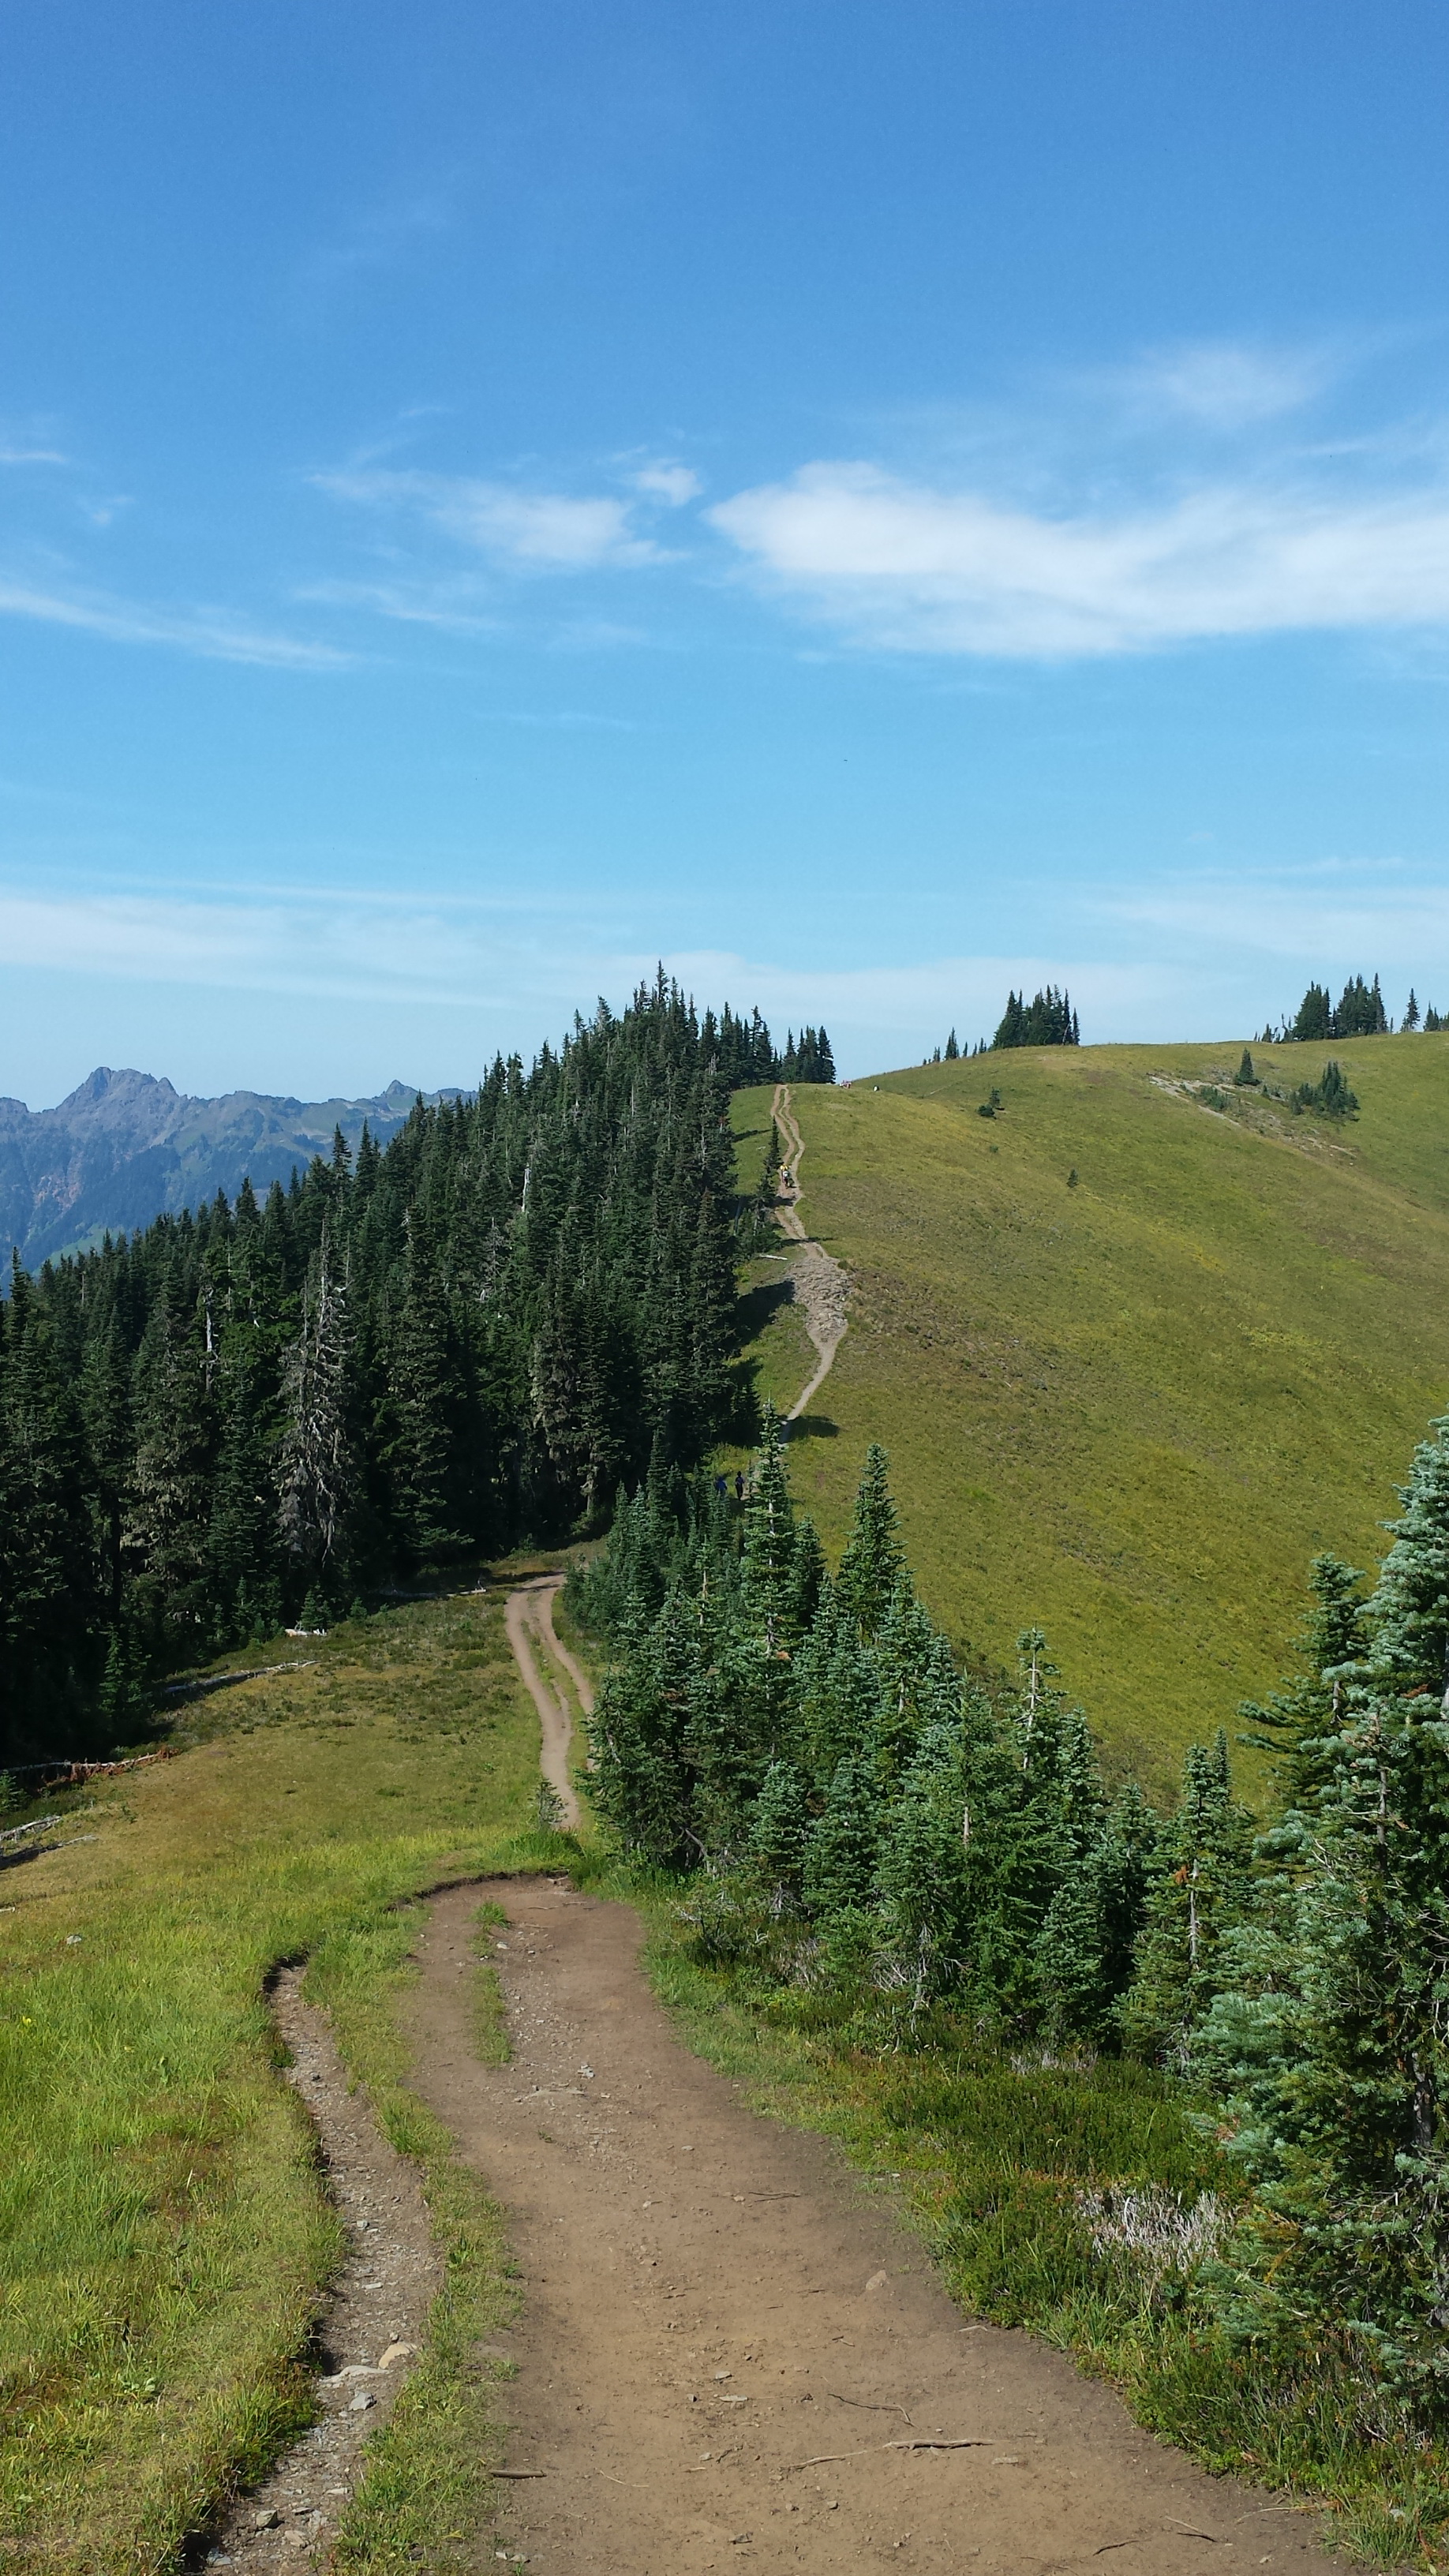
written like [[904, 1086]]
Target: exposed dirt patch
[[548, 1669], [728, 2350], [820, 1284], [375, 2317]]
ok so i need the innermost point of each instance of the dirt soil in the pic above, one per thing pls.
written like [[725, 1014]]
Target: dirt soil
[[375, 2316], [548, 1668], [730, 2351], [821, 1287]]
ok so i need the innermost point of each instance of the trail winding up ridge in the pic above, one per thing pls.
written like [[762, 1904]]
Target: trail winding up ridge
[[821, 1286]]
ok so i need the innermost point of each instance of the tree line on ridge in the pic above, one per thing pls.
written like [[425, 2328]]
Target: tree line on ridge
[[242, 1418]]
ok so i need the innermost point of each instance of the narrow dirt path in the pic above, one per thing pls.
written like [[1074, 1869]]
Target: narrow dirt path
[[528, 1619], [376, 2313], [821, 1286], [728, 2350]]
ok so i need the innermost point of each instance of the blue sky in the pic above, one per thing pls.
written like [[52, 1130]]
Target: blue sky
[[872, 504]]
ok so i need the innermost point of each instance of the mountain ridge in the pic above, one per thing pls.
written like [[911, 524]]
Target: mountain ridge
[[127, 1146]]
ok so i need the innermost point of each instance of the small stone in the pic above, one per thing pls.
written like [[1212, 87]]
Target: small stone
[[724, 2374], [877, 2281], [395, 2352], [267, 2519], [361, 2402]]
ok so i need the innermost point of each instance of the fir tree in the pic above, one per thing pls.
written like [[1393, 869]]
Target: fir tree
[[1201, 1894], [316, 1479], [840, 1864], [780, 1835], [873, 1563]]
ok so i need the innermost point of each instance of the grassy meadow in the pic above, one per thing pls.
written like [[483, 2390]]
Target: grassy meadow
[[1132, 1405], [166, 2233]]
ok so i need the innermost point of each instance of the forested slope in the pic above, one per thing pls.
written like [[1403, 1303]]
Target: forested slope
[[477, 1334], [1130, 1404]]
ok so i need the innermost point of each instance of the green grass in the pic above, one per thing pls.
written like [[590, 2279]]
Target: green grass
[[167, 2237], [1131, 1409]]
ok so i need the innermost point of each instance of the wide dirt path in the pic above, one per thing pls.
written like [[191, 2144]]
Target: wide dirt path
[[728, 2350]]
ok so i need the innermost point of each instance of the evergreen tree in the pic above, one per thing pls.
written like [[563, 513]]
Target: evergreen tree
[[1200, 1894], [1314, 1016], [780, 1836], [839, 1869], [952, 1049], [316, 1477], [1047, 1020], [874, 1561]]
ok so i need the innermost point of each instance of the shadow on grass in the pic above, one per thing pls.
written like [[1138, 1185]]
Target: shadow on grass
[[760, 1304]]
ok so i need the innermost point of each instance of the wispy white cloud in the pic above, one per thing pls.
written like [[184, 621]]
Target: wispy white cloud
[[527, 531], [1350, 916], [468, 957], [212, 634], [452, 605], [672, 484], [901, 565], [1224, 385], [14, 455]]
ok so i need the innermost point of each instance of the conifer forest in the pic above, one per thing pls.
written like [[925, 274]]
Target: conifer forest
[[240, 1419], [938, 1855]]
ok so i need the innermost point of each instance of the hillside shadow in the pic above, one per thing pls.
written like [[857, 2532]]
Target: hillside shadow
[[759, 1304], [814, 1426]]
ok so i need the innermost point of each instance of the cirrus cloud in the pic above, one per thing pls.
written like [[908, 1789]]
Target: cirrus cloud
[[531, 531], [898, 564]]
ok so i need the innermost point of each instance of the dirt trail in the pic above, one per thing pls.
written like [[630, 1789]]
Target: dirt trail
[[727, 2346], [375, 2318], [528, 1619], [821, 1285]]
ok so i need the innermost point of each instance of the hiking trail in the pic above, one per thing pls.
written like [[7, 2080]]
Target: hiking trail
[[821, 1286], [729, 2349], [528, 1618]]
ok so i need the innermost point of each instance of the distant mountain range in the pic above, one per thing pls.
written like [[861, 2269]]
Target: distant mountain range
[[127, 1147]]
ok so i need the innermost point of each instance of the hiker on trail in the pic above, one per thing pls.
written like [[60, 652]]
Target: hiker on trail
[[739, 1485]]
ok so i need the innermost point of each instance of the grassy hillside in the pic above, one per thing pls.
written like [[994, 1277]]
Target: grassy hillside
[[166, 2230], [1130, 1408]]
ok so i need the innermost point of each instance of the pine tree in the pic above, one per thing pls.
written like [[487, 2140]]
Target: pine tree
[[840, 1864], [780, 1836], [1408, 1612], [170, 1488], [1314, 1017], [1294, 1722], [1201, 1893], [316, 1474], [923, 1875], [874, 1561], [952, 1049], [1411, 1010]]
